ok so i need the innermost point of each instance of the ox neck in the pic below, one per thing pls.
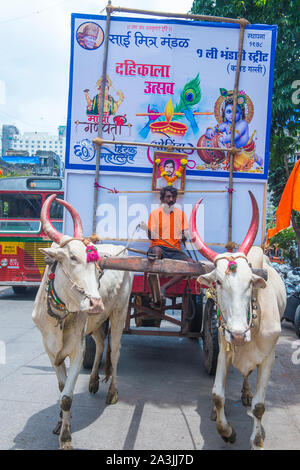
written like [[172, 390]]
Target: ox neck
[[53, 301], [253, 314]]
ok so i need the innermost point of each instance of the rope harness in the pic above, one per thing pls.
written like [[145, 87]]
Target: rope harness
[[53, 301]]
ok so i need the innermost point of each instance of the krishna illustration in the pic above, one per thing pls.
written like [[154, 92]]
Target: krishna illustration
[[111, 105], [220, 135]]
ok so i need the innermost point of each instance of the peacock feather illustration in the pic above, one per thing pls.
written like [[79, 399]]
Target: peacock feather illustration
[[190, 96]]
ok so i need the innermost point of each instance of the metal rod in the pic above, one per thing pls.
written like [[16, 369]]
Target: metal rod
[[101, 109], [180, 15], [145, 240], [175, 114], [141, 252]]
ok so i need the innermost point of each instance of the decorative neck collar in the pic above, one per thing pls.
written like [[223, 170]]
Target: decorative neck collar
[[53, 301]]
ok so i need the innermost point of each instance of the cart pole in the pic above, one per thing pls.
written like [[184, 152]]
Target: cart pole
[[233, 150], [100, 110]]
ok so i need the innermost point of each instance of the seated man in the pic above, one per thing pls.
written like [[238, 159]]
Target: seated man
[[167, 230]]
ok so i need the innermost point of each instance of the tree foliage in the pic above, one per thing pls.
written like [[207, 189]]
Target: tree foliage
[[277, 181], [284, 14], [286, 240], [285, 135]]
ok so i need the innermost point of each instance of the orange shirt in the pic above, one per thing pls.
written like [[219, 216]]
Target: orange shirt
[[167, 226]]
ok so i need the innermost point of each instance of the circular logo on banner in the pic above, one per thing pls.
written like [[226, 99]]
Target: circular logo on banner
[[90, 35], [85, 150]]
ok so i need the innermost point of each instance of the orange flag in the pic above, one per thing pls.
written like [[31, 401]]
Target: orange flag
[[290, 199]]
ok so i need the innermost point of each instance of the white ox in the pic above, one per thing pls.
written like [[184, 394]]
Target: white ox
[[74, 299], [249, 312]]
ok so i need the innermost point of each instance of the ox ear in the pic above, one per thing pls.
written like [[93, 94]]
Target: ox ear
[[258, 282], [53, 254], [207, 280]]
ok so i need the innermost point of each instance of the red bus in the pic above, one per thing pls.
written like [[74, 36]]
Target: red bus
[[21, 198]]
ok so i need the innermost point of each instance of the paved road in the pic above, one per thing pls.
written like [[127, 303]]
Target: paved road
[[164, 394]]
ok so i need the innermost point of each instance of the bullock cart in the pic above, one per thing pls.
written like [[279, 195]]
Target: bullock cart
[[200, 132], [123, 138], [186, 310], [196, 315]]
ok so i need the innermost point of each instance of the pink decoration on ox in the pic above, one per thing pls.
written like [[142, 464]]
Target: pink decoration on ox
[[231, 267], [92, 254]]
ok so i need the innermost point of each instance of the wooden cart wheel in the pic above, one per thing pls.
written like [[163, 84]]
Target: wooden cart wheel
[[19, 290], [192, 312], [210, 337], [297, 321], [196, 322]]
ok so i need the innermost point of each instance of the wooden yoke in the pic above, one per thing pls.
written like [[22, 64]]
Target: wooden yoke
[[164, 267]]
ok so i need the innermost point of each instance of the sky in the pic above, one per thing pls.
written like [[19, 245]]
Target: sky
[[35, 53]]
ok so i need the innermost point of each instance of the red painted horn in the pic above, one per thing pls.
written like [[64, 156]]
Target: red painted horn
[[251, 234], [48, 228], [196, 239], [245, 246]]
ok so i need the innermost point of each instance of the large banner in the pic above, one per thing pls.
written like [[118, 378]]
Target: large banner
[[169, 82]]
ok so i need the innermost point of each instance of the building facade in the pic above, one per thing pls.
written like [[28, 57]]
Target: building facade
[[32, 142], [46, 152], [9, 132]]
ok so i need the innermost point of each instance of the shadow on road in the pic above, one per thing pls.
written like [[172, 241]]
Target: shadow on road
[[167, 374], [37, 433], [9, 294]]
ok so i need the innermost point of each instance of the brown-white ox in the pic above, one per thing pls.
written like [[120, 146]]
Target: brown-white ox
[[74, 299], [247, 337]]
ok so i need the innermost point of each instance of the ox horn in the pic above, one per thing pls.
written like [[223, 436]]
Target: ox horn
[[48, 228], [245, 246], [196, 239], [251, 234]]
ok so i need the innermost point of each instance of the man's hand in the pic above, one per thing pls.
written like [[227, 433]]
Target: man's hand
[[186, 234], [145, 227]]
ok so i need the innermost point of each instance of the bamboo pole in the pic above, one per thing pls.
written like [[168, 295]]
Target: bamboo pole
[[263, 229], [180, 15], [230, 245], [101, 109], [151, 192]]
